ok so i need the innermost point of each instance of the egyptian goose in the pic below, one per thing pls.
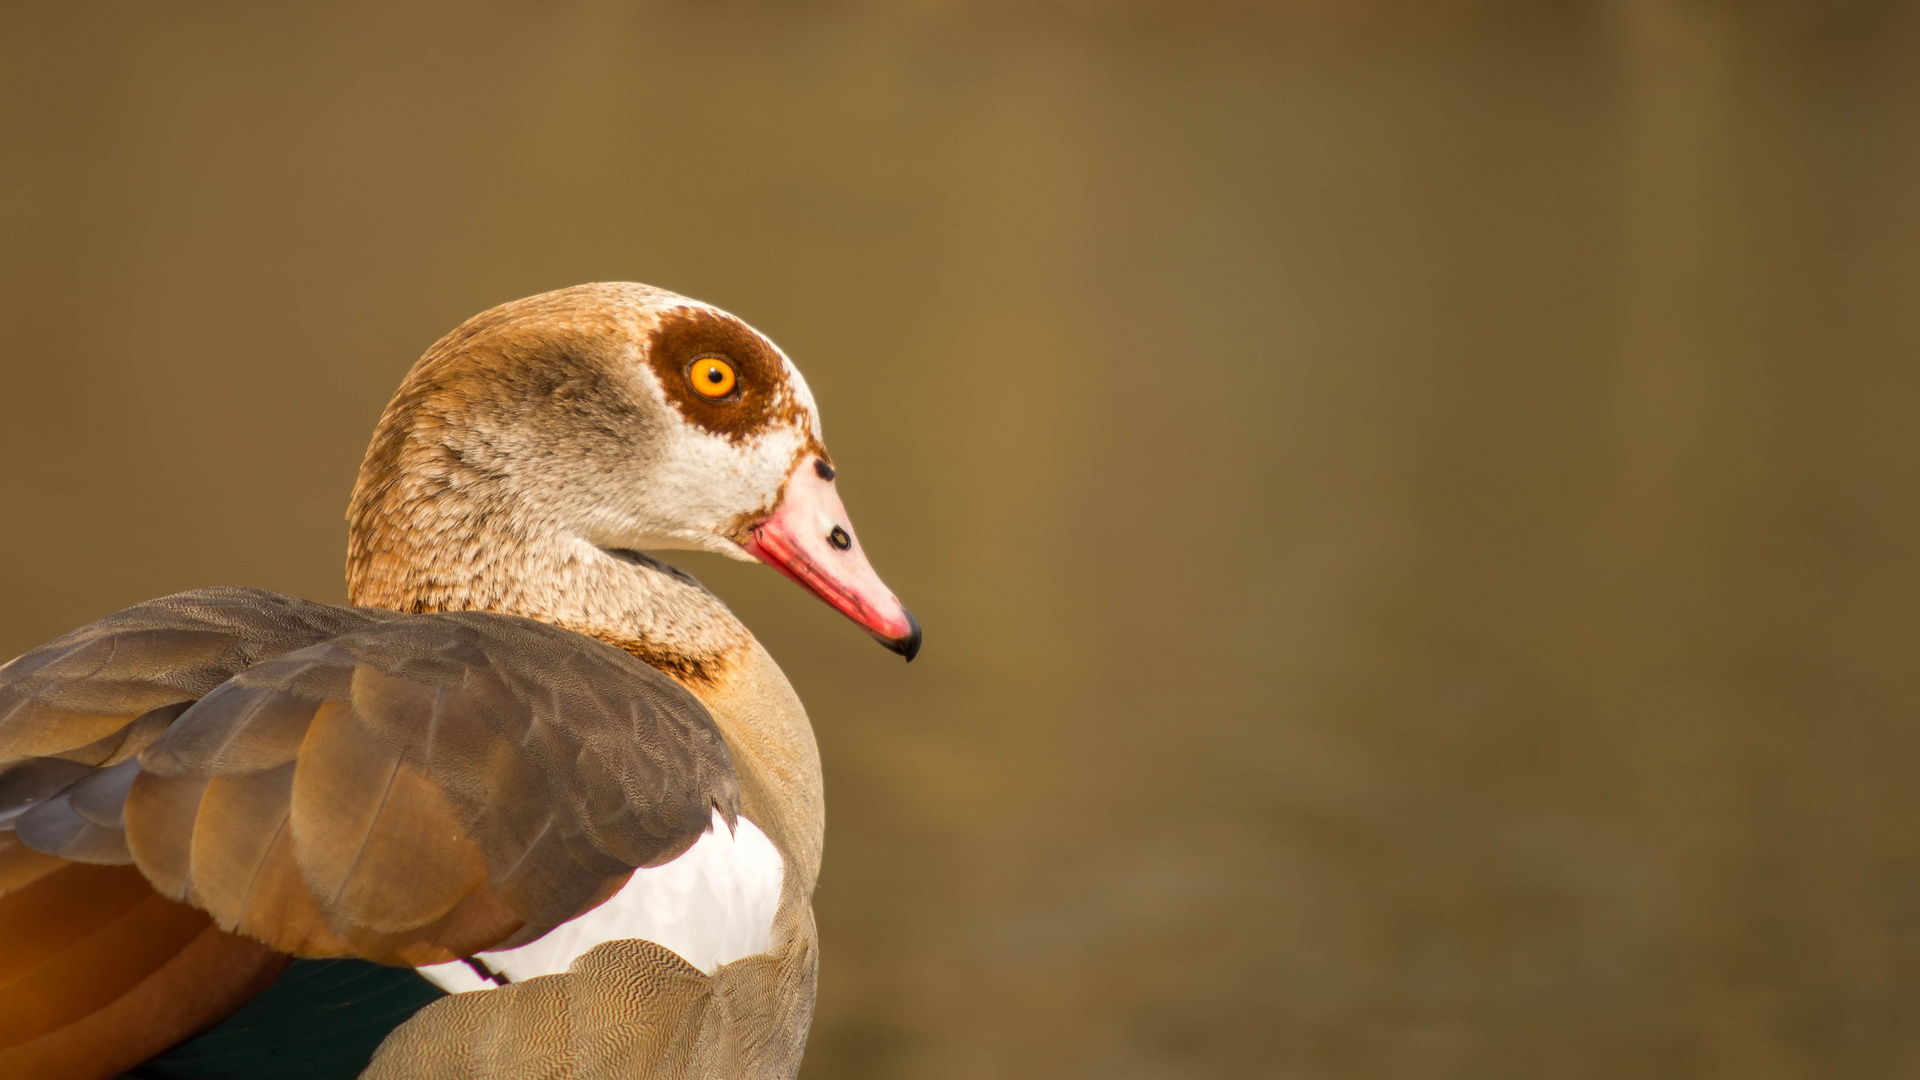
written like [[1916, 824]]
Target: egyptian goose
[[552, 774]]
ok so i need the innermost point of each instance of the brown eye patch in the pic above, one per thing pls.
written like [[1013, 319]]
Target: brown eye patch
[[757, 397]]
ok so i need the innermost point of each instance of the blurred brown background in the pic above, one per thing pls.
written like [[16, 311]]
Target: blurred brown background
[[1412, 504]]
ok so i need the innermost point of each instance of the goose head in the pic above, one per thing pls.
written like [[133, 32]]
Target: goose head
[[549, 439]]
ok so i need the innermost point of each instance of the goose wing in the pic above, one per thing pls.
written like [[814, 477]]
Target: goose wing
[[345, 781]]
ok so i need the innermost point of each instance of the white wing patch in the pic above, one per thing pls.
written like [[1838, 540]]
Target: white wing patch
[[712, 905]]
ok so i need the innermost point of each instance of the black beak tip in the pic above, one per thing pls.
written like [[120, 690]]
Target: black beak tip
[[908, 646]]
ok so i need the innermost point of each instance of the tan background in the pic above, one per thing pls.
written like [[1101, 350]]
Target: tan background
[[1412, 505]]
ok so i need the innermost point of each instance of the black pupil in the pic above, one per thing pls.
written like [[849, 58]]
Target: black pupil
[[715, 374]]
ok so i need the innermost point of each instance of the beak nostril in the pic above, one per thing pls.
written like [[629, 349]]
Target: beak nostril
[[839, 539], [821, 469]]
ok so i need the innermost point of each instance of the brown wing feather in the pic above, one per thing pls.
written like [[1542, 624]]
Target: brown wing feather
[[165, 855], [95, 698], [325, 780], [112, 957], [97, 970], [21, 866], [440, 782], [211, 976]]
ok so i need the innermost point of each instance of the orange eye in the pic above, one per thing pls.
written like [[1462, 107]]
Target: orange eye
[[712, 376]]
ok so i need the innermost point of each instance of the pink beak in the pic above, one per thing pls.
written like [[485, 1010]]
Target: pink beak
[[809, 538]]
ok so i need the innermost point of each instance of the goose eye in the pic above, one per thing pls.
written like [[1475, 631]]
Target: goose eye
[[712, 376]]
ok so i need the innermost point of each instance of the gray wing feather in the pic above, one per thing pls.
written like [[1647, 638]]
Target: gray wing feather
[[99, 695]]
